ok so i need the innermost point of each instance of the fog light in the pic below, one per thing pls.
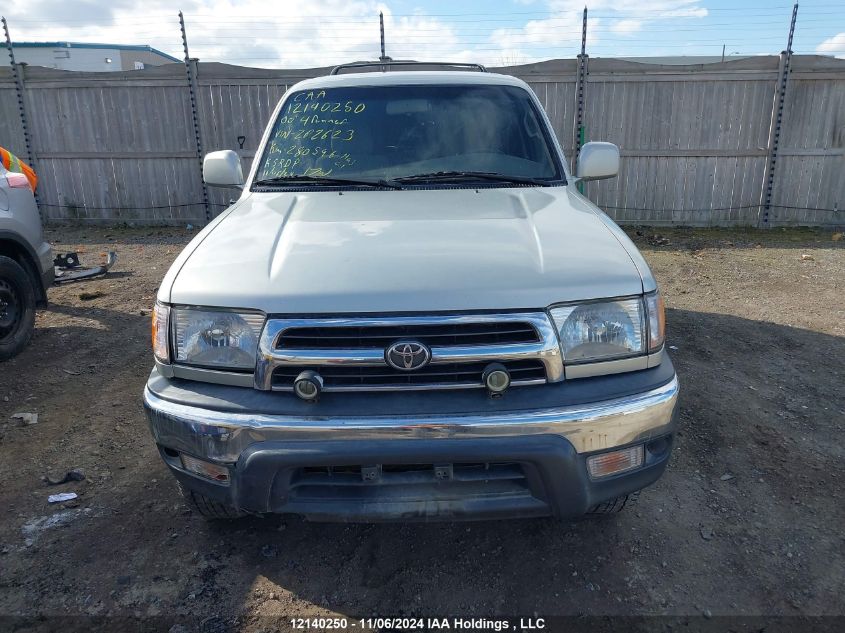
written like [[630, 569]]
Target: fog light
[[205, 469], [496, 378], [308, 385], [615, 462]]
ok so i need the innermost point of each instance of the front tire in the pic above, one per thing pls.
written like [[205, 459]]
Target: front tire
[[207, 508], [17, 308]]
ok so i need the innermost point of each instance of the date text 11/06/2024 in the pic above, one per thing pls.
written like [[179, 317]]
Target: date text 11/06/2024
[[423, 624]]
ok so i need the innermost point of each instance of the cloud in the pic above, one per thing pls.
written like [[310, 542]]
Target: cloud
[[78, 12], [657, 9], [561, 32], [284, 33], [626, 27], [296, 34], [834, 45]]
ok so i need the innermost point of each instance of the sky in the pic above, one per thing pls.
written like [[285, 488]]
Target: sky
[[310, 33]]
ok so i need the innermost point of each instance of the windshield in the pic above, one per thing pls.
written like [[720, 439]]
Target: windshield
[[388, 132]]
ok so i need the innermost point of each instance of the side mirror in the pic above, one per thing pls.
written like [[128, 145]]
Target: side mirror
[[597, 161], [223, 169]]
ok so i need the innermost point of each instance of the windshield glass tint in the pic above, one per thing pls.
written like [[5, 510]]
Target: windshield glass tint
[[394, 131]]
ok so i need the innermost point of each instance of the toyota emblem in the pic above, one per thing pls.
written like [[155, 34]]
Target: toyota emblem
[[407, 355]]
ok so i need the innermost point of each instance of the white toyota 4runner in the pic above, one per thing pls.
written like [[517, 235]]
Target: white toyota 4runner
[[411, 313]]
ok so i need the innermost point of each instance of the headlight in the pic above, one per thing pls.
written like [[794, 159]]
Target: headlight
[[216, 339], [601, 331]]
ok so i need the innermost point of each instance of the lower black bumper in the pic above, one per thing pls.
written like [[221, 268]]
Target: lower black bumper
[[421, 480]]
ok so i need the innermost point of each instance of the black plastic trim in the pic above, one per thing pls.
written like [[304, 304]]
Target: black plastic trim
[[558, 483]]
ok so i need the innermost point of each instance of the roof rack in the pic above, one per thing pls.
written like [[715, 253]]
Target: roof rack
[[383, 64]]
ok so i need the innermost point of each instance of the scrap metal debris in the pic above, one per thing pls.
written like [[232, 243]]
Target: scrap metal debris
[[68, 267]]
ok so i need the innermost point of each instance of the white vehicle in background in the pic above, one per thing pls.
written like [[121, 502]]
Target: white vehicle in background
[[411, 314], [26, 262], [27, 265]]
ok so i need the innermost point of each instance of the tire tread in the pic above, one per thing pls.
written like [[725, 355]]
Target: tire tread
[[209, 508], [12, 270], [613, 506]]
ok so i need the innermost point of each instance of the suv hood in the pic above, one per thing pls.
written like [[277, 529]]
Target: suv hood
[[413, 250]]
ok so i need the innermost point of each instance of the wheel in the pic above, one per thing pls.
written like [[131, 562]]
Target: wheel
[[209, 508], [613, 506], [17, 308]]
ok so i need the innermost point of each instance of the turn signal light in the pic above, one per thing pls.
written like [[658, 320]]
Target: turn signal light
[[615, 462], [205, 469], [160, 316], [656, 321]]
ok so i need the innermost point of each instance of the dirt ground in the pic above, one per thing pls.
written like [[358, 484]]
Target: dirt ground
[[747, 520]]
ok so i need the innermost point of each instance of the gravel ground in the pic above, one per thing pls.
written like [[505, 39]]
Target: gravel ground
[[747, 520]]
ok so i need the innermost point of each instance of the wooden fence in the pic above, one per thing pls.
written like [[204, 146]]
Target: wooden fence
[[695, 140]]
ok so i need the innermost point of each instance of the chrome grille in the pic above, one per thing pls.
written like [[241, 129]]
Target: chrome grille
[[349, 352], [431, 334]]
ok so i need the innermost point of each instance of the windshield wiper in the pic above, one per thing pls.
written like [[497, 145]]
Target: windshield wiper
[[325, 180], [469, 175]]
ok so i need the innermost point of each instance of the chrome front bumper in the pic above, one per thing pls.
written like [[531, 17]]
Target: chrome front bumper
[[224, 436]]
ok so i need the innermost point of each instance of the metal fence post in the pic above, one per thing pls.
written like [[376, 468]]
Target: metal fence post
[[381, 32], [383, 57], [191, 71], [777, 124], [18, 76], [579, 91]]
